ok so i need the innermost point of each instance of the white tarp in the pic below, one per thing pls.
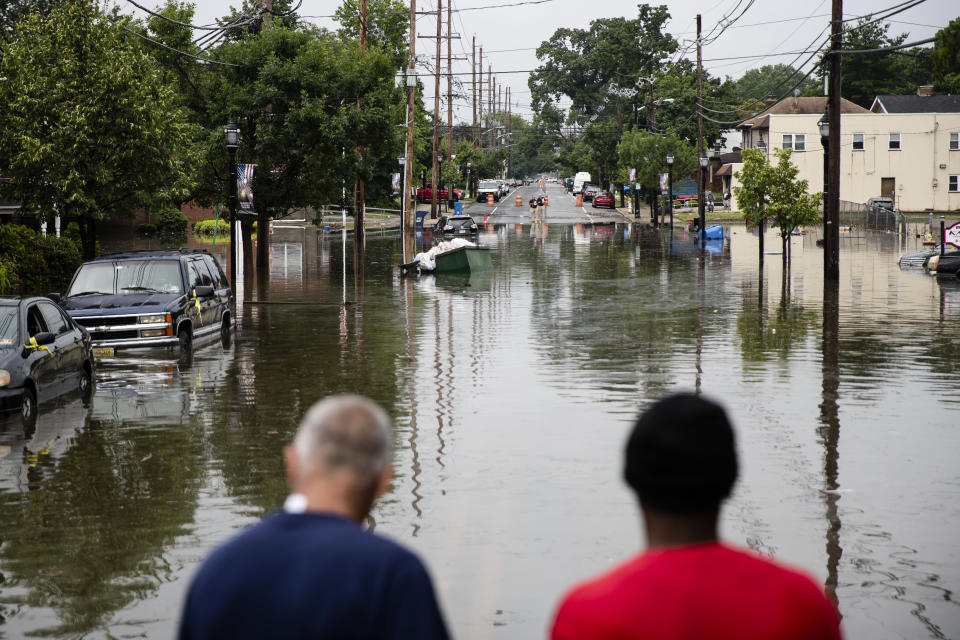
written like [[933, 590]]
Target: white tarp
[[428, 259]]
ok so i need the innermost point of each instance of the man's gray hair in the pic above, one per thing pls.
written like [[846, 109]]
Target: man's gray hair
[[346, 432]]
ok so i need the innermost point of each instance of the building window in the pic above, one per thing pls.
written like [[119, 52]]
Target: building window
[[795, 141], [954, 141], [953, 184], [894, 143], [858, 142]]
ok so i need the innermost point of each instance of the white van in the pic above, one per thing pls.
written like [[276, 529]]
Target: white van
[[579, 180]]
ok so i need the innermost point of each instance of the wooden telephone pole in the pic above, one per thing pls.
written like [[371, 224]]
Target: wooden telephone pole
[[411, 96], [480, 101], [449, 97], [831, 208], [700, 152], [473, 71], [359, 198], [436, 115]]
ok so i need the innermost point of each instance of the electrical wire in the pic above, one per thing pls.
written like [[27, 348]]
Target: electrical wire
[[183, 53]]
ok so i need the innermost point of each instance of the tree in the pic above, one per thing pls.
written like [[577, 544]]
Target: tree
[[771, 79], [91, 126], [647, 153], [867, 75], [387, 25], [753, 192], [790, 206], [597, 68], [946, 58], [678, 84]]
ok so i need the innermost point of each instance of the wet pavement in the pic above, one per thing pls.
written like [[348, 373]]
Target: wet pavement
[[512, 394]]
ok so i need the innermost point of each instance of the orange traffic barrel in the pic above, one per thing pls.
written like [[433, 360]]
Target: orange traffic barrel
[[489, 199], [519, 200], [579, 199], [546, 200]]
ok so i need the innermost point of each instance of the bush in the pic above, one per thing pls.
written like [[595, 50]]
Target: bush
[[171, 222], [206, 227], [33, 264]]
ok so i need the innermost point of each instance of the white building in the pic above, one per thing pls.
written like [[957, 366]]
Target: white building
[[906, 148]]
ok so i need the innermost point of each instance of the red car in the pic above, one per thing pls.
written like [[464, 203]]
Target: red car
[[604, 199], [425, 194]]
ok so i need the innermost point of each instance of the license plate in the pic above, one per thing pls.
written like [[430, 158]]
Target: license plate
[[103, 352]]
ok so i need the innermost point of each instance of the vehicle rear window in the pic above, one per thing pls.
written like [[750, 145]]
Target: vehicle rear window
[[128, 277], [489, 184], [8, 326]]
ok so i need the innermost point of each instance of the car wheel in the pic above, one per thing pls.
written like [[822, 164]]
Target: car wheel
[[28, 406], [186, 342], [85, 381]]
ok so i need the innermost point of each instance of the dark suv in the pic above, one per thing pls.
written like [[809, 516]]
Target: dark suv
[[166, 298]]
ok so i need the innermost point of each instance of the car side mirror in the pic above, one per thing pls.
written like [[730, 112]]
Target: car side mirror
[[56, 297], [44, 337], [203, 291]]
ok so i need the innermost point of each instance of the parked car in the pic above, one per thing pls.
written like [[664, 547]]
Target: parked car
[[504, 188], [43, 354], [425, 193], [589, 191], [165, 298], [488, 188], [881, 203], [456, 226], [930, 260], [603, 199], [568, 184]]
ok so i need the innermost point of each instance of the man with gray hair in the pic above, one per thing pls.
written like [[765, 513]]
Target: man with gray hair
[[311, 571]]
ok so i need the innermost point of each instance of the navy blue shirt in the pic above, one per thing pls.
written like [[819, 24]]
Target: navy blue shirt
[[311, 575]]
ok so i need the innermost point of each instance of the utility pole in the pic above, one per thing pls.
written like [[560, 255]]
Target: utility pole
[[359, 198], [436, 115], [509, 135], [449, 98], [489, 98], [831, 208], [499, 114], [263, 220], [411, 95], [480, 100], [473, 71], [700, 152]]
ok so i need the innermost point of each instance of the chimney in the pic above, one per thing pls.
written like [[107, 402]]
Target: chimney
[[925, 90], [771, 100]]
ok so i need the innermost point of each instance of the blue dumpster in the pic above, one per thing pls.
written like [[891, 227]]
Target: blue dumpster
[[714, 232], [458, 208], [420, 217]]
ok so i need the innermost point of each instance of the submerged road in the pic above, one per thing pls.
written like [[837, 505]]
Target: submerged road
[[562, 209]]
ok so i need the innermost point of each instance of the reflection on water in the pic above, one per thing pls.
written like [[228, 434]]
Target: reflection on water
[[512, 393]]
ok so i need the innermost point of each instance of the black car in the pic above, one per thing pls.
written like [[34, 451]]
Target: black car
[[168, 298], [589, 192], [456, 226], [43, 354]]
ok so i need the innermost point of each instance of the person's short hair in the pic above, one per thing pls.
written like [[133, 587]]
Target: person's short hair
[[681, 456], [345, 432]]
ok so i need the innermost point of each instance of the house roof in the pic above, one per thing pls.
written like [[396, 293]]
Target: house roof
[[799, 105], [725, 170], [916, 104]]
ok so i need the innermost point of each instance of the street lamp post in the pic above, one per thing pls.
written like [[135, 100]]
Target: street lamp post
[[824, 125], [232, 135], [469, 186], [670, 186], [700, 198]]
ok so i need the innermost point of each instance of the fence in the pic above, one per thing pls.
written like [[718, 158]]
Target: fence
[[863, 216]]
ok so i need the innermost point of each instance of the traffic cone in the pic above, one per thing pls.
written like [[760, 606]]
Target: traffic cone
[[489, 199], [546, 200]]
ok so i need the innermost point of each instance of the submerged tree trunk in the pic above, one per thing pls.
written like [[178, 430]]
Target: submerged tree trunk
[[760, 227], [785, 238]]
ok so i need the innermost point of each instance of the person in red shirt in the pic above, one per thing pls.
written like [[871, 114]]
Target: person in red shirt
[[681, 461]]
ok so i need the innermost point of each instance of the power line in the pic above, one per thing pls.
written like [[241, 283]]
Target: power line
[[183, 53]]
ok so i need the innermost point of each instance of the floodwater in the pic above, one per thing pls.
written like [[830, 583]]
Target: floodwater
[[512, 395]]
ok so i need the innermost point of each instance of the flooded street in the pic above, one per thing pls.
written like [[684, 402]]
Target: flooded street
[[512, 395]]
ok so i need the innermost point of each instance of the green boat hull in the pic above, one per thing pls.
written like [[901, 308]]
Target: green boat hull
[[465, 259]]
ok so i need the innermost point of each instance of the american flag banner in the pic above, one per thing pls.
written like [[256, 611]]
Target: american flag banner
[[245, 186]]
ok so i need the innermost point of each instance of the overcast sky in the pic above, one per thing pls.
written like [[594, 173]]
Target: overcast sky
[[525, 26]]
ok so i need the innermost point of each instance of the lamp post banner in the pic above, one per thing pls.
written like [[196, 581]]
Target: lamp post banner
[[663, 182], [245, 186], [633, 175], [395, 182], [951, 235]]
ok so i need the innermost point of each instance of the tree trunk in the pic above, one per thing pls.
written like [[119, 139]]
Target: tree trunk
[[760, 227], [88, 237], [785, 238], [246, 227]]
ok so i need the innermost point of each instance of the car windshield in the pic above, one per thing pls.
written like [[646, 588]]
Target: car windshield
[[128, 277], [456, 223], [488, 184], [8, 326]]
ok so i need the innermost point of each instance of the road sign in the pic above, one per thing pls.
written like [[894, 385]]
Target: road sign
[[951, 235]]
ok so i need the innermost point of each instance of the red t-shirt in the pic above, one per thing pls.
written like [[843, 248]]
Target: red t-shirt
[[694, 592]]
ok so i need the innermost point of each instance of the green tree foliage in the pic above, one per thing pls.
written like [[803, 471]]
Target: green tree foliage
[[295, 96], [678, 82], [647, 153], [91, 127], [790, 206], [867, 75], [387, 26], [753, 192], [946, 58], [600, 65], [771, 79]]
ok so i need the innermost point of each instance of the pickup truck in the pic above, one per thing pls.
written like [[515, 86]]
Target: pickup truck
[[425, 193]]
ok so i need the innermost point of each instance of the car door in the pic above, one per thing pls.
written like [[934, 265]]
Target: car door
[[68, 343], [199, 276], [43, 361], [220, 286]]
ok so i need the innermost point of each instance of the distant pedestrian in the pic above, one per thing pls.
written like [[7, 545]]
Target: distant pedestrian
[[540, 202], [681, 462], [533, 209], [311, 571]]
